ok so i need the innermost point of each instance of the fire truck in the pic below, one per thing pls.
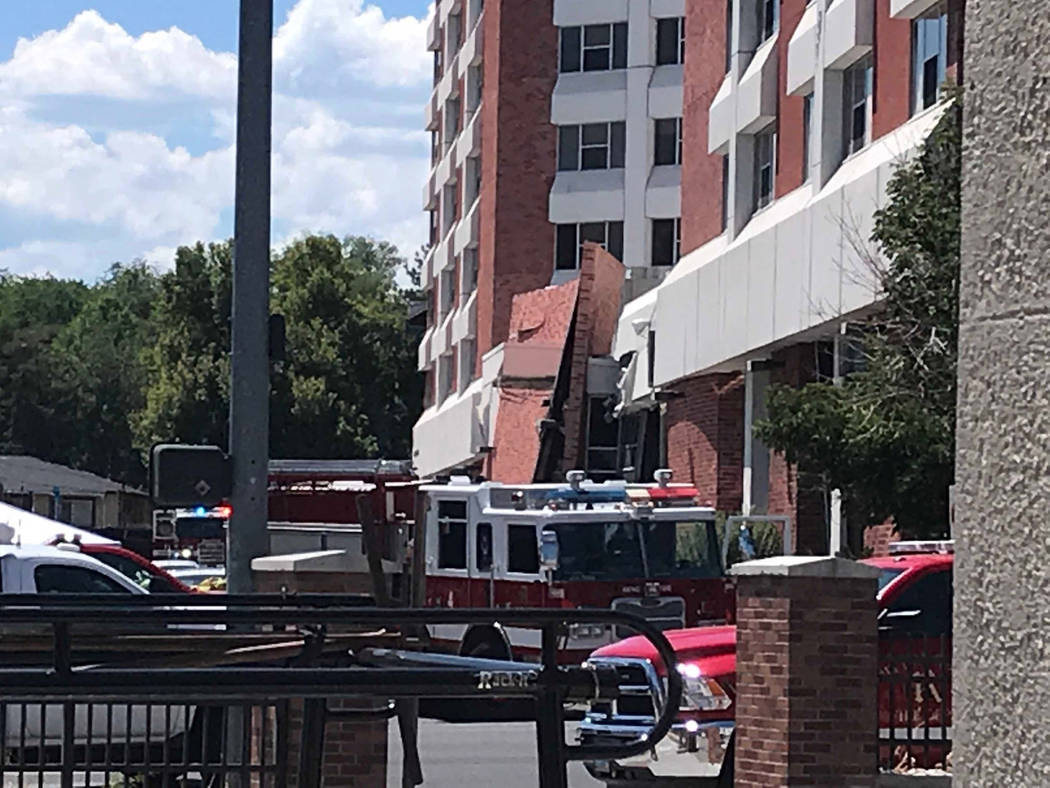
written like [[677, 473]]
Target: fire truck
[[647, 549]]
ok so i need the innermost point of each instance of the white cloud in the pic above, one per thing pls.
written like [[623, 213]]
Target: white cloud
[[349, 154]]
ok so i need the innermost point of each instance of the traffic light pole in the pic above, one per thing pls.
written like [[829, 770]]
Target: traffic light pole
[[247, 537]]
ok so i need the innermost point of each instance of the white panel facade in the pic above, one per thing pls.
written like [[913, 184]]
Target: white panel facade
[[849, 32], [589, 97], [756, 94], [588, 12], [587, 196], [721, 117], [663, 196], [802, 53], [911, 9]]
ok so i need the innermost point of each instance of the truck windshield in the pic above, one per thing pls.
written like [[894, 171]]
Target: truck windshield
[[631, 550]]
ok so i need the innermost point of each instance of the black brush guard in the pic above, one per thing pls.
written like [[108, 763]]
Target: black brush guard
[[396, 678]]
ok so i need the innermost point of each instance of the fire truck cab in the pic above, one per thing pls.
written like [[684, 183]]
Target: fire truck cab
[[645, 549]]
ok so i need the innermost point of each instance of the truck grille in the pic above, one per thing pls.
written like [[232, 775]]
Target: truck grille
[[636, 698], [663, 612]]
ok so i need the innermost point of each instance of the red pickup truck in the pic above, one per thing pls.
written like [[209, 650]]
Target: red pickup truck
[[915, 620]]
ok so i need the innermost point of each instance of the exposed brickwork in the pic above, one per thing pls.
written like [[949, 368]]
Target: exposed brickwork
[[516, 444], [704, 70], [877, 538], [790, 131], [516, 251], [705, 437], [807, 658], [892, 101], [597, 310]]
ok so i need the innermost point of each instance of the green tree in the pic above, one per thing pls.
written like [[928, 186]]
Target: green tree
[[187, 365], [886, 435], [100, 353]]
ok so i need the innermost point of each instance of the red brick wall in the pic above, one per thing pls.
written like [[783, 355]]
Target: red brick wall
[[705, 437], [790, 135], [807, 658], [790, 491], [892, 59], [597, 312], [518, 147], [704, 71]]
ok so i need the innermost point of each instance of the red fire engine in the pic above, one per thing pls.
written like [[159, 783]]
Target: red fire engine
[[644, 549]]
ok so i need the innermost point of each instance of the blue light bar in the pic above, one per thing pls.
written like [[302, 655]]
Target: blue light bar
[[569, 495]]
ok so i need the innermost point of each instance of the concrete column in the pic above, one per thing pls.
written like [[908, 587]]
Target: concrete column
[[806, 666], [756, 454], [1001, 683]]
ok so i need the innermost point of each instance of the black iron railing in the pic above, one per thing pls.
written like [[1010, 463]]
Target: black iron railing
[[200, 721]]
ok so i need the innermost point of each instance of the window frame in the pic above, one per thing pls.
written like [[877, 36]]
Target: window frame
[[857, 86], [676, 241], [612, 227], [114, 587], [573, 47], [765, 159], [450, 520], [807, 133], [677, 58], [676, 159], [768, 20], [936, 17], [574, 135], [521, 528]]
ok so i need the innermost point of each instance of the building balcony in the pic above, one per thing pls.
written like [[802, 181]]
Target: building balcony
[[447, 8], [468, 229], [448, 87], [590, 195], [802, 54], [451, 434], [569, 13], [665, 92], [445, 172], [441, 339], [433, 34], [849, 32], [426, 357], [468, 143], [431, 116], [473, 48], [465, 319], [910, 9], [589, 96], [663, 193], [756, 94], [720, 118]]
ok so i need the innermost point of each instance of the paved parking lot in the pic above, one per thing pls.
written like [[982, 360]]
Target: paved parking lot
[[472, 756]]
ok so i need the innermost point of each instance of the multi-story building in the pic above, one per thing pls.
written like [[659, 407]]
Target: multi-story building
[[554, 123], [796, 115]]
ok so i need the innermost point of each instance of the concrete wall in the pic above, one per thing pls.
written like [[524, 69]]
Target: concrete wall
[[1002, 718]]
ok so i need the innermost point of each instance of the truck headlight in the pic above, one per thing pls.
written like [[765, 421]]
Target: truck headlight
[[700, 693]]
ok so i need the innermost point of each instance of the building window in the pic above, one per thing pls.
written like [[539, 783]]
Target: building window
[[725, 192], [594, 47], [466, 354], [452, 535], [452, 121], [729, 35], [668, 143], [470, 271], [667, 241], [929, 57], [857, 105], [768, 19], [448, 278], [807, 133], [438, 67], [450, 207], [446, 376], [455, 32], [571, 237], [765, 164], [670, 41], [592, 146]]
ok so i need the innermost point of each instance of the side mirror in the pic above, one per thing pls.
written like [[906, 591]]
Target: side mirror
[[549, 551]]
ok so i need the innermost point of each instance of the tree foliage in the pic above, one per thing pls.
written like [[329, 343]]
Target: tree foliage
[[886, 435], [94, 375]]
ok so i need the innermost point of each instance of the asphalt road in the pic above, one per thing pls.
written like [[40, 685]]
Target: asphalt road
[[477, 756]]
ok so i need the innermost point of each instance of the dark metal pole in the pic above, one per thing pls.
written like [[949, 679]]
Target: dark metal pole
[[249, 368], [550, 719]]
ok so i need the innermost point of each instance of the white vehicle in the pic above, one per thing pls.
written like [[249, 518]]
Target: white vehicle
[[65, 570]]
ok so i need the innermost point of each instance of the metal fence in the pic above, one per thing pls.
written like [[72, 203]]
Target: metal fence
[[915, 692], [206, 691]]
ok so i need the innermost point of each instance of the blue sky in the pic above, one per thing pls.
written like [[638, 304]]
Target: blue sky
[[116, 126]]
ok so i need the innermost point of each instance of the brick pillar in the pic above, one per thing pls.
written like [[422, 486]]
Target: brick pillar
[[807, 661], [355, 753]]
